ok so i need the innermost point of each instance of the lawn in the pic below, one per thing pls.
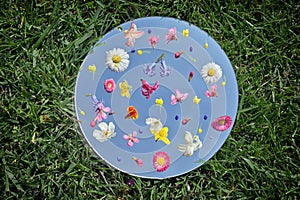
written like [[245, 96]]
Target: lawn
[[42, 45]]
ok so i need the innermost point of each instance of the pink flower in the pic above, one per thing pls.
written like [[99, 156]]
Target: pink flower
[[212, 92], [131, 138], [101, 112], [222, 123], [161, 161], [109, 85], [132, 33], [138, 161], [153, 40], [171, 35]]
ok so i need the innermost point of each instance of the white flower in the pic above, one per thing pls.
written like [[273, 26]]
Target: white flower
[[211, 72], [191, 144], [155, 125], [117, 59], [106, 132]]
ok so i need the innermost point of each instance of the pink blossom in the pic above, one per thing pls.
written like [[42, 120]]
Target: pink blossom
[[138, 161], [222, 123], [153, 40], [101, 112], [147, 89], [171, 35], [161, 161], [212, 92], [131, 138], [132, 33], [109, 85]]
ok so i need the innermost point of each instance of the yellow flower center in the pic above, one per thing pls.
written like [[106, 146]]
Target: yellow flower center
[[106, 133], [116, 59], [160, 161], [221, 122], [211, 72], [109, 85]]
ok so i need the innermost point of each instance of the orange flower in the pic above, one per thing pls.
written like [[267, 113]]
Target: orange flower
[[132, 113]]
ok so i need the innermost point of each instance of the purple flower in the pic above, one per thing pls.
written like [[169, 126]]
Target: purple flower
[[165, 71], [149, 69], [130, 182]]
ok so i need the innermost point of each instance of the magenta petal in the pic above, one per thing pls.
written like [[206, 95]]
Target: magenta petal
[[126, 137], [130, 143], [207, 94], [136, 140]]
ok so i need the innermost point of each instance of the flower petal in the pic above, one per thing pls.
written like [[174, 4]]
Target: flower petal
[[130, 143], [165, 140], [103, 126], [111, 127]]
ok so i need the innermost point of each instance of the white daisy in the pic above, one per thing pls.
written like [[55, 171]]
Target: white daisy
[[117, 59], [211, 72], [106, 132]]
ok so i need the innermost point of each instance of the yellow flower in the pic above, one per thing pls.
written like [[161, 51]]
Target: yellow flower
[[125, 88], [159, 101], [185, 32], [223, 83], [200, 130], [196, 100], [92, 68], [162, 135]]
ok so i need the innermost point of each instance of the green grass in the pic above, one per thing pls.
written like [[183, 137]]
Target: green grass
[[42, 45]]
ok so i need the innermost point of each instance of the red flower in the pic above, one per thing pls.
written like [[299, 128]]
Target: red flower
[[132, 113]]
